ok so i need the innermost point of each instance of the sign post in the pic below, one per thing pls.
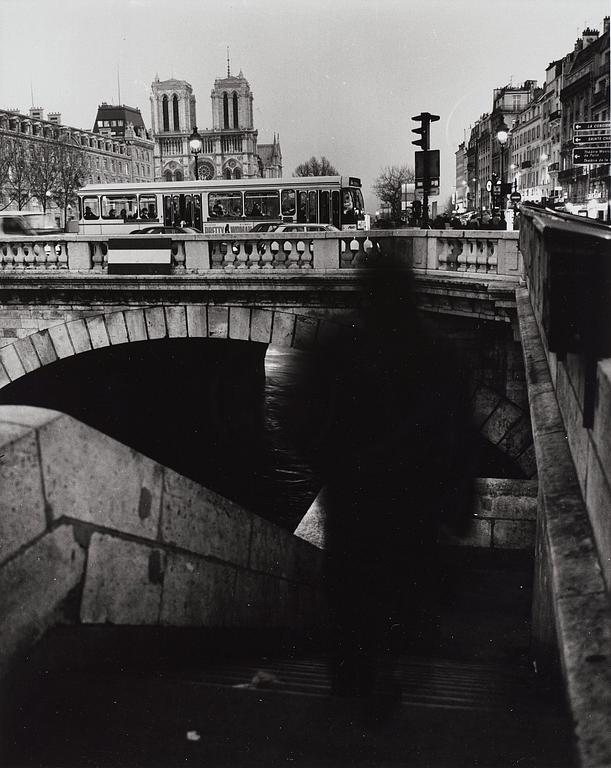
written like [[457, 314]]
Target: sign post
[[592, 140]]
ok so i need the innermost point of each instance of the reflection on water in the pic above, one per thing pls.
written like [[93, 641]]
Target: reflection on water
[[287, 486]]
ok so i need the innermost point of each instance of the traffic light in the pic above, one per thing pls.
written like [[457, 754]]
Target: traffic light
[[423, 131]]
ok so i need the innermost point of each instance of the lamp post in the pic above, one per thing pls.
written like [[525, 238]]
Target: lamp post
[[196, 144], [502, 135]]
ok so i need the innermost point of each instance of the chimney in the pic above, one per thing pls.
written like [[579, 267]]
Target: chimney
[[589, 36], [36, 113], [55, 118]]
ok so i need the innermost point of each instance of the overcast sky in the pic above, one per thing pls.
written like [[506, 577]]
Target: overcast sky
[[340, 78]]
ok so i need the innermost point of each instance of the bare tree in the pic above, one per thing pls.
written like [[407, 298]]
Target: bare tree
[[72, 171], [5, 165], [18, 182], [316, 167], [44, 171], [387, 187]]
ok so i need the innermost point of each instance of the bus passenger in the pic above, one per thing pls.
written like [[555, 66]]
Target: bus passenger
[[112, 214], [89, 214], [218, 210], [144, 214]]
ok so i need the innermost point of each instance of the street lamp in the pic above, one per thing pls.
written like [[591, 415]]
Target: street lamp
[[502, 134], [196, 145]]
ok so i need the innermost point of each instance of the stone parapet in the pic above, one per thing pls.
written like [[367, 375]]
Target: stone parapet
[[448, 251], [93, 532]]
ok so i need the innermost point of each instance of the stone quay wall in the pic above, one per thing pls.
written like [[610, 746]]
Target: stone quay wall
[[91, 532]]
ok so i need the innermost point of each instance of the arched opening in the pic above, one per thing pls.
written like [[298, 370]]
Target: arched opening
[[236, 122], [225, 111], [175, 112], [237, 173], [227, 173], [167, 175], [165, 113], [178, 176]]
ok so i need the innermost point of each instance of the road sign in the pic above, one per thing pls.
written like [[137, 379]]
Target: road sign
[[593, 125], [593, 139], [515, 197], [489, 186], [591, 156]]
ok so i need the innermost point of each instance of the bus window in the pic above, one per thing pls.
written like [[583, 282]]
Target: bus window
[[265, 204], [224, 205], [323, 198], [335, 209], [197, 211], [288, 202], [119, 207], [348, 214], [302, 206], [167, 211], [148, 207], [313, 206], [91, 206]]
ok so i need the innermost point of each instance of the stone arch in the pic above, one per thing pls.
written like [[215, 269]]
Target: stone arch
[[499, 420]]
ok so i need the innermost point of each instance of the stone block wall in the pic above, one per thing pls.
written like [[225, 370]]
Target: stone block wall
[[504, 516], [571, 610], [93, 532]]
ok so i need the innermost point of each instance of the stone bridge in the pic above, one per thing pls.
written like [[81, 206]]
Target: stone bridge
[[153, 548]]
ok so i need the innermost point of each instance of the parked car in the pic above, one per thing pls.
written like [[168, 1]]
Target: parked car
[[265, 226], [161, 230], [14, 223], [306, 228]]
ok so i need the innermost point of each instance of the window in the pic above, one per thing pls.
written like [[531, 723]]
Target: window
[[313, 205], [324, 212], [262, 204], [166, 116], [91, 208], [235, 110], [302, 206], [119, 207], [225, 205], [175, 112], [225, 111], [288, 202]]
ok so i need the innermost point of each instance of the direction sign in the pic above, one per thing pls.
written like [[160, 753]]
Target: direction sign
[[489, 185], [515, 197], [593, 125], [591, 156], [605, 139]]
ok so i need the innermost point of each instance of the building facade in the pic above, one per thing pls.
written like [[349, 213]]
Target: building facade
[[230, 149], [538, 157], [109, 158], [462, 184]]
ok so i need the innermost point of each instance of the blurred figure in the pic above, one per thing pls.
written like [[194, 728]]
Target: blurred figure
[[393, 448]]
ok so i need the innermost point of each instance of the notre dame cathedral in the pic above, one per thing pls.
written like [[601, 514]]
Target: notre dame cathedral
[[230, 148]]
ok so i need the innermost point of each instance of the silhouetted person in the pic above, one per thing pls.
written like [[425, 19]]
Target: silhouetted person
[[393, 449]]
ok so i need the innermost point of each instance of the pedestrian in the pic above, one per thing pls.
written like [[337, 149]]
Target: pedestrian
[[393, 449]]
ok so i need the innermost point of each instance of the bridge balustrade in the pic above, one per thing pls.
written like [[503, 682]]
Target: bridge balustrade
[[482, 252]]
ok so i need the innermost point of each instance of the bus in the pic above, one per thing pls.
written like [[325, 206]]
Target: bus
[[221, 205]]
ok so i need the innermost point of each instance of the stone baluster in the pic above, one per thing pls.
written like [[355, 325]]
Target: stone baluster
[[466, 249], [99, 250], [345, 255], [443, 248], [6, 257], [17, 256], [279, 259], [482, 256], [472, 256], [292, 257], [253, 253], [28, 255], [493, 257], [241, 257], [178, 256], [266, 255], [306, 255]]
